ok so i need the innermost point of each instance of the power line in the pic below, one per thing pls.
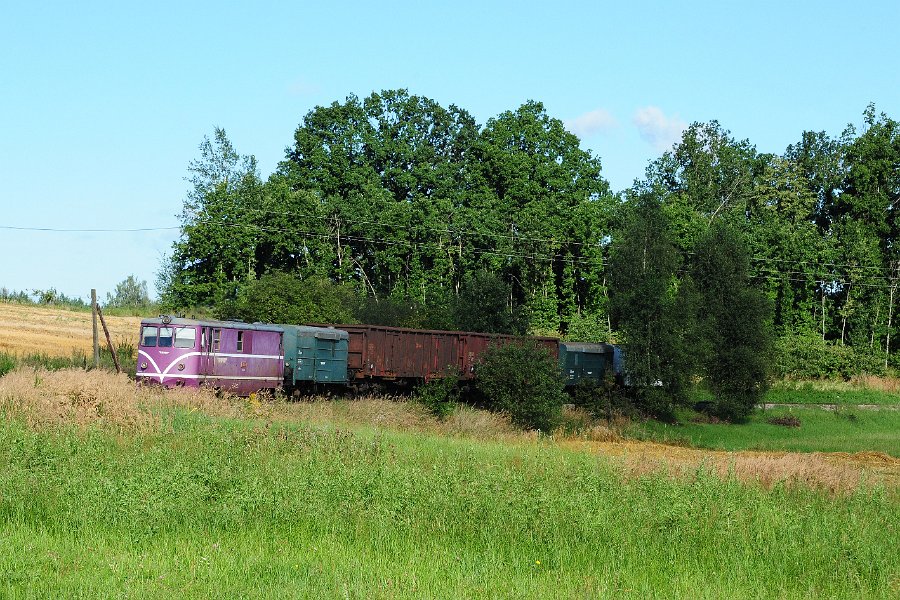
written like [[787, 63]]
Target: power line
[[110, 230], [778, 275]]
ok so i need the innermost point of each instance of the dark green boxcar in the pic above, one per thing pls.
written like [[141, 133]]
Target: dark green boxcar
[[315, 354], [580, 361]]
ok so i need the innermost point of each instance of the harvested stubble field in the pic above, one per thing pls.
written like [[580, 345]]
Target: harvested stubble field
[[26, 329]]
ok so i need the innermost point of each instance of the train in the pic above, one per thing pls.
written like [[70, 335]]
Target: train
[[244, 358]]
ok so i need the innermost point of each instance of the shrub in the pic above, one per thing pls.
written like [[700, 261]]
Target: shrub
[[807, 355], [7, 363], [522, 379], [440, 396], [601, 400]]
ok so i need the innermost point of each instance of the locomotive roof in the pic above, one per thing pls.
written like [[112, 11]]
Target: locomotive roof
[[178, 321]]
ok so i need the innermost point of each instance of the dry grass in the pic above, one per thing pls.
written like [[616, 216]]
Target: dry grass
[[857, 382], [73, 396], [28, 329], [101, 398]]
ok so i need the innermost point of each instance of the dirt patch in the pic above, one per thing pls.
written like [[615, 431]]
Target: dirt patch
[[28, 329]]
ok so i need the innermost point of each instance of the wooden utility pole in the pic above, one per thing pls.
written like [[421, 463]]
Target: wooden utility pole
[[109, 343], [96, 333]]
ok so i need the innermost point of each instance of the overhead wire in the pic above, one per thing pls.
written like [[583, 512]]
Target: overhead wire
[[790, 276]]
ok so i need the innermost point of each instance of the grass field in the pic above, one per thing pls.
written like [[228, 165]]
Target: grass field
[[862, 391], [108, 490], [819, 430]]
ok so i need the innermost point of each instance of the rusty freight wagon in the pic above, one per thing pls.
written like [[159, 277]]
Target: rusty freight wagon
[[396, 353]]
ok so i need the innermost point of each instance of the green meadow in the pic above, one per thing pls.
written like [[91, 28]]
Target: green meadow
[[204, 506], [844, 429]]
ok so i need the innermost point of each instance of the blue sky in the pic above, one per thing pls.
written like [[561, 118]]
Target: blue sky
[[102, 106]]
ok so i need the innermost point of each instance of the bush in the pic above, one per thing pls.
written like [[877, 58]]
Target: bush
[[601, 400], [440, 396], [806, 355], [522, 379]]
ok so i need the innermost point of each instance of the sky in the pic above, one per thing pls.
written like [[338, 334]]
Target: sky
[[103, 104]]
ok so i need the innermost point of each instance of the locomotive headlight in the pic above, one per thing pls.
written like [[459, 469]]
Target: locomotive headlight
[[143, 366], [181, 366]]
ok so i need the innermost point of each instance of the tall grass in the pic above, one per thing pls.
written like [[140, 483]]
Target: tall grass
[[78, 359], [213, 507], [111, 490]]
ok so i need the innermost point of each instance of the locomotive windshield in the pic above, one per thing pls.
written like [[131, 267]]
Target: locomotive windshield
[[148, 335], [185, 337], [167, 337]]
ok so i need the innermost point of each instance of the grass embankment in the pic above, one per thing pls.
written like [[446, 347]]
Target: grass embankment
[[819, 430], [110, 491], [862, 391]]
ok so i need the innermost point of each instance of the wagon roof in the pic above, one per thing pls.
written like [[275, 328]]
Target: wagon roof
[[161, 320], [586, 346], [359, 326], [322, 333]]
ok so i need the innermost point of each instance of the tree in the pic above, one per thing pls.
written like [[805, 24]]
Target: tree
[[735, 343], [219, 229], [523, 380], [652, 308], [285, 298], [484, 304], [389, 172], [539, 204], [129, 293]]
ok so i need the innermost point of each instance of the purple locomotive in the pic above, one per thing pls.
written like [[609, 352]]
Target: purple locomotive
[[229, 355]]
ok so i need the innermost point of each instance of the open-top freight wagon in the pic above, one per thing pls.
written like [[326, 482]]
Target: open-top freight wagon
[[398, 354]]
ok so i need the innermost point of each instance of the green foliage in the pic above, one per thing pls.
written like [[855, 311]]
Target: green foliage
[[399, 197], [805, 355], [654, 312], [735, 340], [483, 305], [129, 293], [7, 295], [220, 228], [390, 311], [285, 298], [441, 395], [602, 400], [7, 363], [522, 378], [589, 326]]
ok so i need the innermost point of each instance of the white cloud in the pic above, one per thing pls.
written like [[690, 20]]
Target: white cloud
[[593, 122], [657, 129], [301, 87]]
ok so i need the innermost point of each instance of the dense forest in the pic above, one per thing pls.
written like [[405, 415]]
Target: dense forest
[[394, 209]]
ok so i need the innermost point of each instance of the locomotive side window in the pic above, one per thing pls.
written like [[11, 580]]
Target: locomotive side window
[[185, 337], [240, 341], [216, 339], [165, 337], [148, 336]]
